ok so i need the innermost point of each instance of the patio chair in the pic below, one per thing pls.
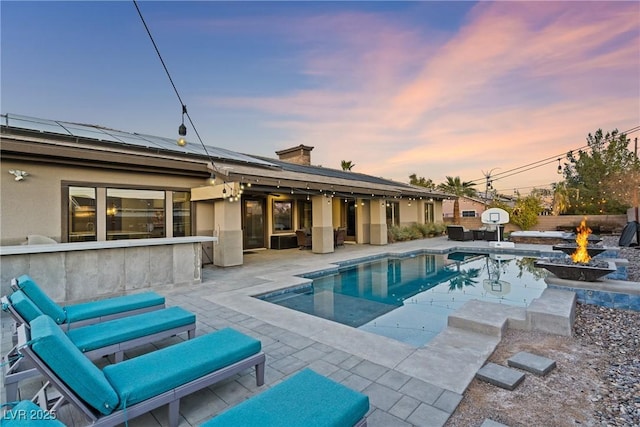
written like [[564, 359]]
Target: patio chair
[[304, 239], [97, 340], [340, 234], [125, 390], [459, 233], [305, 399], [90, 312]]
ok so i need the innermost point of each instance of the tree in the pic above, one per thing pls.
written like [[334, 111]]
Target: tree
[[525, 212], [421, 181], [458, 188], [594, 174], [347, 165], [561, 199]]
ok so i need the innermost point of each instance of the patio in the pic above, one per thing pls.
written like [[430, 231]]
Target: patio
[[406, 386]]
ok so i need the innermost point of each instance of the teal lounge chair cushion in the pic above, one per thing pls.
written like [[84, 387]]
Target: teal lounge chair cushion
[[71, 366], [151, 374], [116, 331], [108, 306], [24, 306], [306, 399], [40, 299], [28, 414]]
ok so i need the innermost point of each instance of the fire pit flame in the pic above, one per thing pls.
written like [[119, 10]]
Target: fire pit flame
[[581, 255]]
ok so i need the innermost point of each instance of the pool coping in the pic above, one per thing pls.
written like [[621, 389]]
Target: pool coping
[[454, 343]]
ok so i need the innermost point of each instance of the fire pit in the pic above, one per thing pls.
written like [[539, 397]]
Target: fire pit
[[570, 248], [579, 266], [565, 269]]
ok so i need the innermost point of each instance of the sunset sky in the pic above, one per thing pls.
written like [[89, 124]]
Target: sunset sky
[[432, 88]]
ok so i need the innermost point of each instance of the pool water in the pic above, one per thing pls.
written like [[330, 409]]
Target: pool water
[[409, 298]]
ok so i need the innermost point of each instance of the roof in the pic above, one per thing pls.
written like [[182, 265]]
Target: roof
[[229, 164]]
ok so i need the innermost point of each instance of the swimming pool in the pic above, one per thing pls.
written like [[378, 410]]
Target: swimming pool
[[408, 298]]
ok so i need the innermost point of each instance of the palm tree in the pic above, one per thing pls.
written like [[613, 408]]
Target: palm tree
[[458, 188], [347, 165], [465, 278], [561, 200]]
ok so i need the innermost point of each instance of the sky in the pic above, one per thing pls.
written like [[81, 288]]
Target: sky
[[432, 88]]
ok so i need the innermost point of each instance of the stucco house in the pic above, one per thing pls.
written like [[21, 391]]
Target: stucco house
[[75, 182]]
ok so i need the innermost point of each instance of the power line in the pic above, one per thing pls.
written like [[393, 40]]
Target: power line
[[175, 89], [539, 163]]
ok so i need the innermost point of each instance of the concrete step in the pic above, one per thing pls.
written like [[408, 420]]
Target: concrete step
[[532, 363], [500, 376], [487, 318]]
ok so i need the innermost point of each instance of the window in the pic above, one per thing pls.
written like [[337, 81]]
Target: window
[[393, 214], [468, 214], [181, 213], [82, 214], [429, 212], [282, 216], [135, 214]]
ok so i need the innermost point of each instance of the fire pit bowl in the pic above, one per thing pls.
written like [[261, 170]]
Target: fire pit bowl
[[569, 248], [566, 269]]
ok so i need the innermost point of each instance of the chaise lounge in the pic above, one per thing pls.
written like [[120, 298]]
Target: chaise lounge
[[96, 340], [128, 389], [89, 312], [305, 399]]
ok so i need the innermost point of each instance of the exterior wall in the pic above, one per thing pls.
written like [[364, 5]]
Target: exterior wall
[[409, 212], [74, 272], [465, 205], [607, 223], [34, 205]]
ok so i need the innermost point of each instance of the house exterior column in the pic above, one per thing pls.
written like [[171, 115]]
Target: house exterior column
[[322, 229], [227, 225], [378, 227], [363, 221]]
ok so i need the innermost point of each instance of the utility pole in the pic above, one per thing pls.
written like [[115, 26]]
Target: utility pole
[[487, 185]]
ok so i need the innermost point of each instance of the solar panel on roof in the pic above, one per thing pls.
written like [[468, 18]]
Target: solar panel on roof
[[91, 132], [39, 125], [138, 140]]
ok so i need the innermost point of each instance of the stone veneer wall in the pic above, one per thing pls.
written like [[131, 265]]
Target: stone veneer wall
[[75, 272]]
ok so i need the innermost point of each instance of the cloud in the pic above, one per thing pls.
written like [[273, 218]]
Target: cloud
[[518, 81]]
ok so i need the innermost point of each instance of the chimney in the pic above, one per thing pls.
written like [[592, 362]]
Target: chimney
[[300, 155]]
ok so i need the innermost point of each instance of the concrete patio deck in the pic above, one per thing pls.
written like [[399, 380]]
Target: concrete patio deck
[[407, 386]]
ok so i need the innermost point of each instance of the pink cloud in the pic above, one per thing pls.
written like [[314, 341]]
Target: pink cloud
[[517, 83]]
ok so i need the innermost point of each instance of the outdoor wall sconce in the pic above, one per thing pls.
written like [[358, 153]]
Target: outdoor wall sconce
[[19, 175]]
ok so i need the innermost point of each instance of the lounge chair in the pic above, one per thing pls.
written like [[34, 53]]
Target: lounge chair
[[96, 340], [89, 312], [128, 389], [304, 239], [305, 399], [27, 413], [459, 233]]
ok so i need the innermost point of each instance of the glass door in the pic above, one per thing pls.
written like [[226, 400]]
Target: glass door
[[253, 233]]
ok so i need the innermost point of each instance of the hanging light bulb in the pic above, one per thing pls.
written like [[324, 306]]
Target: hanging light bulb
[[182, 129], [559, 168], [224, 191], [212, 179]]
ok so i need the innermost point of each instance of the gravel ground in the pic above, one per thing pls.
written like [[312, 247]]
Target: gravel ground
[[596, 381]]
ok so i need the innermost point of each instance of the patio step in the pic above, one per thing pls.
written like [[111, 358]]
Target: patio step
[[500, 376], [487, 318]]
